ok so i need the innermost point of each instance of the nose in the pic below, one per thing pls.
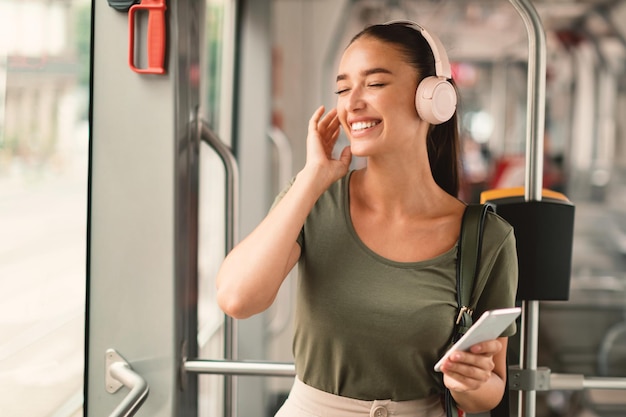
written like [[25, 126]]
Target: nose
[[355, 99]]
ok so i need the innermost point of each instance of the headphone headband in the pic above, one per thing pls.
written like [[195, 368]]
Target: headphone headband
[[435, 97], [442, 64]]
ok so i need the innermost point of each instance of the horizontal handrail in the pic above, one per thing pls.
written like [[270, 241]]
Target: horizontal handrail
[[575, 382], [222, 367], [118, 374]]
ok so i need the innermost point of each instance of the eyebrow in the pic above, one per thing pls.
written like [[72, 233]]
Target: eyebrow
[[367, 72]]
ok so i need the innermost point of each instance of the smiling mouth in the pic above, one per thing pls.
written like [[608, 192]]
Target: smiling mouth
[[358, 126]]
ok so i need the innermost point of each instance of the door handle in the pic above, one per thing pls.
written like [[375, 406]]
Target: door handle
[[156, 36], [118, 374]]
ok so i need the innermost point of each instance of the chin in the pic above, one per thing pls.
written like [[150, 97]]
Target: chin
[[360, 150]]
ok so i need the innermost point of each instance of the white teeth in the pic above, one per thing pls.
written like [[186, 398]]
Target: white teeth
[[363, 125]]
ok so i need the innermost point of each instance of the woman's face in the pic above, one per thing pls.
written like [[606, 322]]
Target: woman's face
[[376, 98]]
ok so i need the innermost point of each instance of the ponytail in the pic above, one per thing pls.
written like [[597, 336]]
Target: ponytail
[[443, 155]]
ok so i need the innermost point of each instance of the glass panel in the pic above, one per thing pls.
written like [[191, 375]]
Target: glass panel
[[44, 75]]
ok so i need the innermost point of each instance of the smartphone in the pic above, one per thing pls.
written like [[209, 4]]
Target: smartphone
[[488, 327]]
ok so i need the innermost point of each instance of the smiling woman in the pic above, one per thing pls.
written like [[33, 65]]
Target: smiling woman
[[376, 246]]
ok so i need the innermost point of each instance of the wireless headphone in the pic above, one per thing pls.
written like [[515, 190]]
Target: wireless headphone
[[435, 98]]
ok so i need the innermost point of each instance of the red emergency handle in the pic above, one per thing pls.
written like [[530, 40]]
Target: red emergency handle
[[156, 36]]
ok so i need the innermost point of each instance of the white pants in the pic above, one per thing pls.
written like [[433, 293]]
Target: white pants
[[306, 401]]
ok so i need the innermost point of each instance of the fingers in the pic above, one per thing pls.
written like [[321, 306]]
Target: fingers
[[326, 124], [324, 128], [473, 366], [329, 121], [331, 134], [464, 360], [470, 369], [461, 382], [315, 118], [487, 349], [465, 376]]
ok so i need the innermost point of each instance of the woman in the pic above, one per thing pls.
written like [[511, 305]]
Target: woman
[[377, 248]]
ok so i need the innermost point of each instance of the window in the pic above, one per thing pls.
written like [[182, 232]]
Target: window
[[44, 67]]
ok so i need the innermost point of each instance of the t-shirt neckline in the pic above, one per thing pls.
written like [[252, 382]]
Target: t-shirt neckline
[[450, 253]]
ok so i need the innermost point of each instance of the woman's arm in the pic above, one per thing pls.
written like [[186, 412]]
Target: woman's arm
[[477, 378], [253, 271]]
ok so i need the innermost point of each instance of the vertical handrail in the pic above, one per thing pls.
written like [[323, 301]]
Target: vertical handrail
[[231, 215], [536, 89], [535, 119]]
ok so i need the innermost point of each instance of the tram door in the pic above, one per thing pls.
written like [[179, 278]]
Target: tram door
[[157, 203]]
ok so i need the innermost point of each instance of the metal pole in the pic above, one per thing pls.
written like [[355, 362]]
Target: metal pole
[[535, 118], [536, 88], [578, 382], [232, 214], [203, 366]]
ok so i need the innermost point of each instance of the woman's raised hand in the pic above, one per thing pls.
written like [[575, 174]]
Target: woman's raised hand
[[323, 133]]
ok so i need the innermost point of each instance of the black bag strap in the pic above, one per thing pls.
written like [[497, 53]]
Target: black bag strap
[[468, 256], [470, 243]]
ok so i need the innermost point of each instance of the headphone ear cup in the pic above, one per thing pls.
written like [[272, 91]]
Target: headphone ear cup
[[435, 100]]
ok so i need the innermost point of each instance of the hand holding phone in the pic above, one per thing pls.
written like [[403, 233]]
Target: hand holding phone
[[488, 327]]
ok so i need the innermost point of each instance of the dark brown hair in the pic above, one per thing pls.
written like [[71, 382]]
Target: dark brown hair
[[443, 139]]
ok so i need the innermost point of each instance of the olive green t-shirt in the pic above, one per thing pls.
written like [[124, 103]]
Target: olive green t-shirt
[[367, 327]]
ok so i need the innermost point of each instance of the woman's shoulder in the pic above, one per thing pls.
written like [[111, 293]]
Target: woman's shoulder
[[338, 189], [497, 230], [495, 221]]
